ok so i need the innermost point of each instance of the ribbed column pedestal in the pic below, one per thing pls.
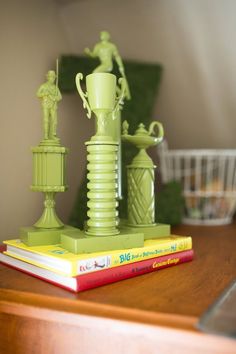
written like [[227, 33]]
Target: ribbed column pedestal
[[101, 233], [102, 186], [49, 177], [49, 168]]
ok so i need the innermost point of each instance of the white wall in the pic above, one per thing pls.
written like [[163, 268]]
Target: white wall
[[31, 37], [193, 39]]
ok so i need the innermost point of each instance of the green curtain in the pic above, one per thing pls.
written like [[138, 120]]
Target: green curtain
[[144, 80]]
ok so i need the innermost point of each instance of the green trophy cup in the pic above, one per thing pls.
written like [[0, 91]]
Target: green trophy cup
[[102, 105], [101, 232], [107, 53], [102, 153], [140, 175]]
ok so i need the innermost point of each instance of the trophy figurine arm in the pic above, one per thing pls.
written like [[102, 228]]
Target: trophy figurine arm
[[41, 91], [91, 53], [122, 71], [83, 95], [118, 61], [120, 97]]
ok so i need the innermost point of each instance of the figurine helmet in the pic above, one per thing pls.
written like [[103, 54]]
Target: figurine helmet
[[104, 35], [51, 73]]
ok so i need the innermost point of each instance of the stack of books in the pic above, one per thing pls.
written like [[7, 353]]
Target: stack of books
[[86, 271]]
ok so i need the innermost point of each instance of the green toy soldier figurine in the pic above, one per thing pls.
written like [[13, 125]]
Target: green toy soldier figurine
[[50, 95], [106, 51]]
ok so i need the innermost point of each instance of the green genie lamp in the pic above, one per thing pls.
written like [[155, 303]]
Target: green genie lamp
[[140, 175]]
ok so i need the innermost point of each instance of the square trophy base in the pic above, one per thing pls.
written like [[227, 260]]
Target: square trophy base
[[150, 232], [78, 242], [33, 236]]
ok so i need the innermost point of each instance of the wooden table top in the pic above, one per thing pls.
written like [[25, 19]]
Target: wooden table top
[[178, 295], [187, 289]]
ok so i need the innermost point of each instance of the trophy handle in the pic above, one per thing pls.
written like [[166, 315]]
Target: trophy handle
[[83, 95], [151, 130], [120, 97]]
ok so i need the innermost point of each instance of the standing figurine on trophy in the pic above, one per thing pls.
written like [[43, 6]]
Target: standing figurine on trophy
[[50, 95], [105, 51]]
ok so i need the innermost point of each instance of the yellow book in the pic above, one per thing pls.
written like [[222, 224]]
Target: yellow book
[[61, 261]]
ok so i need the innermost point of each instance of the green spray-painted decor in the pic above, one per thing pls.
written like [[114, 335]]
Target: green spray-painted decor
[[144, 80], [102, 189], [102, 152], [78, 242], [50, 95], [103, 99], [104, 106], [49, 178], [49, 169], [140, 175], [49, 156], [107, 52], [101, 231], [141, 201]]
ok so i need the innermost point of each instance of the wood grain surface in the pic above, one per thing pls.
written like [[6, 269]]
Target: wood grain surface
[[159, 308]]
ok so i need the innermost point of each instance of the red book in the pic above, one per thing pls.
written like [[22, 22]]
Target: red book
[[98, 278]]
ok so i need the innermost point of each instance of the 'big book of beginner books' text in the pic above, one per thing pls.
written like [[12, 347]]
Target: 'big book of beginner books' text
[[102, 277], [57, 259]]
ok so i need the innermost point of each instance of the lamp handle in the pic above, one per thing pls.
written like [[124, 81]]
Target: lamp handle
[[151, 130]]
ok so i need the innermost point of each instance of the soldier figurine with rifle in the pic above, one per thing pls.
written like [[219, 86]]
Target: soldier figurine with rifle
[[50, 95]]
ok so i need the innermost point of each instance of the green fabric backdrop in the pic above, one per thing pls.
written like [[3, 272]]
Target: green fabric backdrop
[[144, 80]]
